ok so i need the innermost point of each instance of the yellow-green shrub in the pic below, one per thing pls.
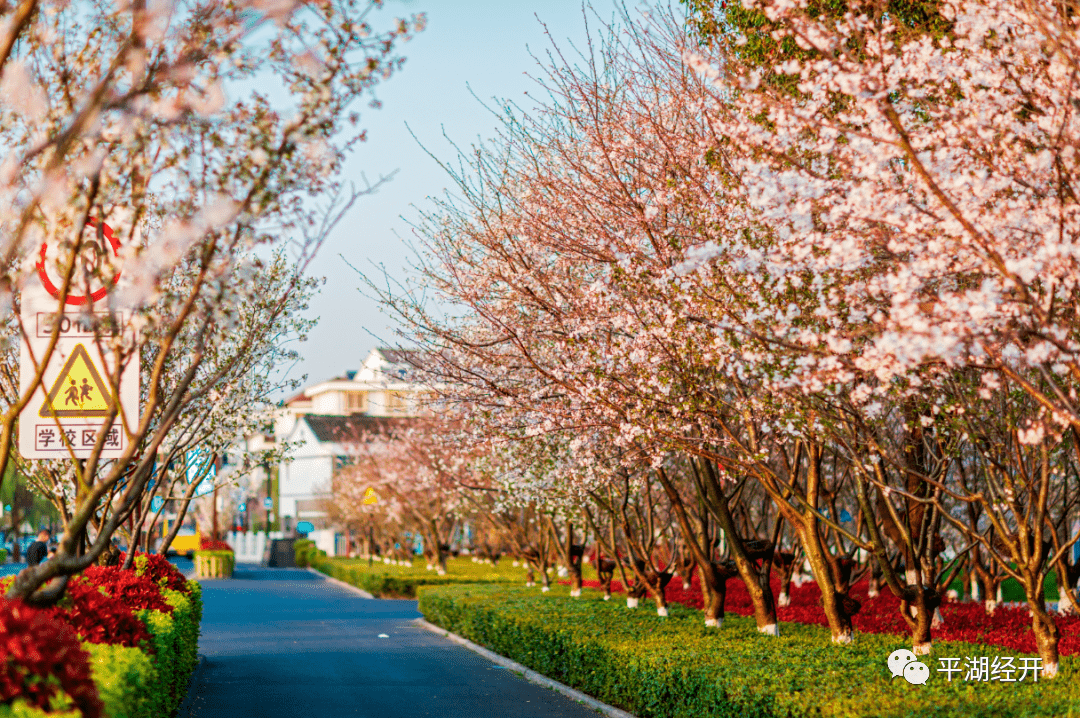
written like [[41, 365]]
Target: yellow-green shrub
[[676, 668], [394, 581], [126, 679]]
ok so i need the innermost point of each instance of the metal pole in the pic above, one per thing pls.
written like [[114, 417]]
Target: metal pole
[[80, 468]]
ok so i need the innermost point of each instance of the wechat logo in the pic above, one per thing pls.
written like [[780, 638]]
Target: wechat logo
[[902, 663]]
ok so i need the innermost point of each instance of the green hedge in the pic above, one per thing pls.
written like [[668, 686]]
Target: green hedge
[[133, 683], [675, 667], [126, 680], [20, 709], [390, 581], [306, 552]]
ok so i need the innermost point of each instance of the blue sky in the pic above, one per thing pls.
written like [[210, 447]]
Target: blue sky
[[479, 47]]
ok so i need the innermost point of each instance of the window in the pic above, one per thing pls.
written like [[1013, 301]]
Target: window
[[395, 402], [355, 401]]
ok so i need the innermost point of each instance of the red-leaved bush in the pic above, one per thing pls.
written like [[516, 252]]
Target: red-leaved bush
[[41, 657], [1007, 627], [137, 591], [160, 571], [101, 618], [213, 545]]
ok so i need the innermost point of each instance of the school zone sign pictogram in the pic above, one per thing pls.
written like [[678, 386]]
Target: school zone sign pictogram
[[67, 412]]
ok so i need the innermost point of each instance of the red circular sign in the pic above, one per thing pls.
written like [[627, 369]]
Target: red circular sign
[[97, 295]]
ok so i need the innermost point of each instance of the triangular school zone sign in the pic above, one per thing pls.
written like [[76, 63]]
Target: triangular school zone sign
[[79, 390]]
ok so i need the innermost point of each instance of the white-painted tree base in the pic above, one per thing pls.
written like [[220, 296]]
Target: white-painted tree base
[[713, 622], [631, 603], [922, 649], [545, 589], [575, 593], [990, 605], [607, 596], [844, 639], [430, 567], [1049, 670], [783, 600], [770, 630], [530, 583], [938, 620], [1067, 604], [662, 612]]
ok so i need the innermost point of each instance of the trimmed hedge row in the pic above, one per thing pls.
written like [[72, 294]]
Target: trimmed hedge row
[[675, 667], [306, 552], [391, 581], [131, 681]]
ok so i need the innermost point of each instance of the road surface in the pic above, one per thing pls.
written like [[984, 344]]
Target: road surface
[[288, 643]]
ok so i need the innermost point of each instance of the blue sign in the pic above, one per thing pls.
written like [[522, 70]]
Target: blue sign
[[243, 508], [844, 515], [268, 503], [304, 527], [156, 503]]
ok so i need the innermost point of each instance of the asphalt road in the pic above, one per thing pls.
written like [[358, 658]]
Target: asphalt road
[[287, 643]]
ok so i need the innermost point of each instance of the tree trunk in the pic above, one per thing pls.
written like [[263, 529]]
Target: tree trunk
[[755, 577], [837, 610], [1046, 637], [572, 554]]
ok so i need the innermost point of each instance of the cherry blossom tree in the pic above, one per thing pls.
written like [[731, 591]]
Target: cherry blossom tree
[[120, 114], [813, 264]]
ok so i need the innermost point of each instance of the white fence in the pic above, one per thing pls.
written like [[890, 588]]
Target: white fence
[[250, 546]]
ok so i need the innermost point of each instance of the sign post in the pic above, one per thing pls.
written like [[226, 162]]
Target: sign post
[[78, 389]]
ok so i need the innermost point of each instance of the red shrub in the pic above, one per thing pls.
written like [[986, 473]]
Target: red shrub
[[1007, 627], [101, 618], [214, 545], [136, 591], [160, 571], [42, 656]]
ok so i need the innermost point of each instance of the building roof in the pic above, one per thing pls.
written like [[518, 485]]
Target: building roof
[[412, 357], [301, 396], [335, 428]]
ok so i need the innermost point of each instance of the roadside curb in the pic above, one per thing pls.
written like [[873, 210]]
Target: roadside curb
[[529, 675], [187, 706], [331, 579]]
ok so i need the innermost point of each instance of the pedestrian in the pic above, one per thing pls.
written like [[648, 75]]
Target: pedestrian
[[38, 550]]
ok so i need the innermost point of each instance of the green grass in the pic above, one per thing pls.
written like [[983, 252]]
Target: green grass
[[675, 667], [391, 581], [1011, 590]]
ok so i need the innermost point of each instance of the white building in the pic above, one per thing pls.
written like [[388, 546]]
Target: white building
[[317, 423]]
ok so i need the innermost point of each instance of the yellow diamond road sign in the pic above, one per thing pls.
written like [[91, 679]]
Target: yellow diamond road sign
[[79, 390]]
